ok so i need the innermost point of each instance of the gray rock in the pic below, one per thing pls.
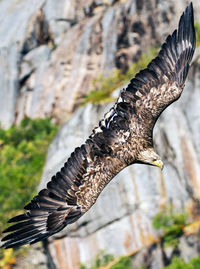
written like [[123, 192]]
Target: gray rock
[[15, 17], [33, 60], [189, 247], [151, 257], [156, 256], [35, 258], [60, 16]]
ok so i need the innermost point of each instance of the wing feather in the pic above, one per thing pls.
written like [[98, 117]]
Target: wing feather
[[61, 203], [53, 208], [161, 83]]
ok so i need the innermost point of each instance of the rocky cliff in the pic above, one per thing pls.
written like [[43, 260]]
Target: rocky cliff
[[50, 53]]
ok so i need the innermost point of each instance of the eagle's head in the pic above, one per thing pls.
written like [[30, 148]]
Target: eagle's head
[[149, 156]]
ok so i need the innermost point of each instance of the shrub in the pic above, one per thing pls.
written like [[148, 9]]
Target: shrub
[[171, 224], [22, 157], [123, 263], [101, 259], [178, 263]]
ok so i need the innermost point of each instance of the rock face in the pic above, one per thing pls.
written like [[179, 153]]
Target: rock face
[[34, 258], [156, 256], [121, 220], [50, 51]]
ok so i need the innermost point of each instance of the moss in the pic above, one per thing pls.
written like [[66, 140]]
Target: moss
[[197, 28], [171, 224], [103, 87], [178, 263]]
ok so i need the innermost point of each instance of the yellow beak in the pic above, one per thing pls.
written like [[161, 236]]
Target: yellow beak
[[159, 163]]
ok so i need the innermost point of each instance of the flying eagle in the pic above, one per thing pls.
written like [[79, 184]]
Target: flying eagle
[[124, 137]]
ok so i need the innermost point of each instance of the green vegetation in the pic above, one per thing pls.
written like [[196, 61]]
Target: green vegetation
[[101, 259], [171, 224], [178, 263], [109, 261], [104, 86], [8, 257], [22, 157], [197, 28], [122, 263]]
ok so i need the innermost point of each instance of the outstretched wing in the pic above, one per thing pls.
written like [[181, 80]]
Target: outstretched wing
[[161, 83], [73, 190], [53, 208]]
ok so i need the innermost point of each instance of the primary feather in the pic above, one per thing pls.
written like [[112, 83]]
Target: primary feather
[[123, 137]]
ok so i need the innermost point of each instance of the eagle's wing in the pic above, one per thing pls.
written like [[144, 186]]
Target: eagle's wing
[[73, 190], [48, 210], [161, 83]]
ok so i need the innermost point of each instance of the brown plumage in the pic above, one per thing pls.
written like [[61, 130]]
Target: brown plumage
[[123, 137]]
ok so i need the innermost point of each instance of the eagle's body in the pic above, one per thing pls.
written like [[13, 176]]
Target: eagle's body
[[128, 144], [123, 137]]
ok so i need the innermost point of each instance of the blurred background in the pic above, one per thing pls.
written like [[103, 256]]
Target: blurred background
[[62, 64]]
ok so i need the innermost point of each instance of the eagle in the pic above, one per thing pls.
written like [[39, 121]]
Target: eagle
[[124, 137]]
